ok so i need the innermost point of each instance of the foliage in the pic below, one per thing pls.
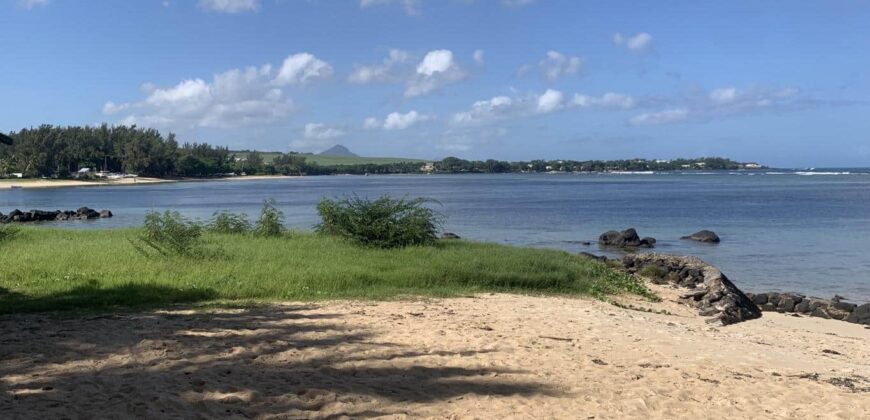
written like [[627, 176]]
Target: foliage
[[170, 234], [271, 221], [382, 223], [229, 223], [49, 271]]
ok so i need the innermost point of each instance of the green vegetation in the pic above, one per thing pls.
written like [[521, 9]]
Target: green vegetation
[[229, 223], [271, 221], [381, 223], [7, 233], [56, 269], [168, 235]]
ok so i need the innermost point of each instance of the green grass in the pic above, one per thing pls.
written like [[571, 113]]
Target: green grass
[[336, 160], [45, 269]]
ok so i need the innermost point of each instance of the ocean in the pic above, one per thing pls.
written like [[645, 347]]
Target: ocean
[[806, 231]]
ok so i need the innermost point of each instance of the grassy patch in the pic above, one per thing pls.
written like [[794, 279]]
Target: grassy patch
[[56, 269]]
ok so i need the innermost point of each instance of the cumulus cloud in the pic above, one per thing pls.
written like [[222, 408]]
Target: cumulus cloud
[[238, 97], [412, 7], [302, 68], [384, 72], [556, 65], [549, 101], [487, 110], [666, 116], [396, 121], [637, 43], [229, 6], [437, 69]]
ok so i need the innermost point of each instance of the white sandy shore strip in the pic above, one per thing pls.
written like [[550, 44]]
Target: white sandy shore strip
[[63, 183], [492, 356]]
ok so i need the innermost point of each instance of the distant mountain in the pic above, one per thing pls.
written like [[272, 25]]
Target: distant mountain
[[338, 151]]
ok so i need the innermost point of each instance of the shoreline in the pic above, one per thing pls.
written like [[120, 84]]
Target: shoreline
[[30, 183]]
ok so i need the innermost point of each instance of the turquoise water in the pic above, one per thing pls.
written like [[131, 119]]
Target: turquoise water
[[805, 231]]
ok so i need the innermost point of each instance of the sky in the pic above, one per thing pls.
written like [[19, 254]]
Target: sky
[[783, 83]]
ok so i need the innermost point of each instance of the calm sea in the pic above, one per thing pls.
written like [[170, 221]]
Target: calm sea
[[805, 231]]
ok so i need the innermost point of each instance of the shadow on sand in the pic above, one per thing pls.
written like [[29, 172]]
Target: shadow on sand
[[257, 362]]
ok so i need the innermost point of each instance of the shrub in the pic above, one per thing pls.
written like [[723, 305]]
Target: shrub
[[271, 221], [383, 223], [170, 234], [7, 233], [229, 223]]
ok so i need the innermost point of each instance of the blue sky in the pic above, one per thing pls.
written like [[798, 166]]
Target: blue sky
[[784, 83]]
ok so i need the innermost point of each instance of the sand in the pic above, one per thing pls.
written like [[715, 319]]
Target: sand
[[65, 183], [488, 356], [60, 183]]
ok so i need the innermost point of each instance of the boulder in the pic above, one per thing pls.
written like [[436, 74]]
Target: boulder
[[625, 239], [105, 214], [703, 236], [860, 315], [592, 256], [445, 235], [709, 290]]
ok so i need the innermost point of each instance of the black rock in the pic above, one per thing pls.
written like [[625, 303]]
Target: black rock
[[445, 235], [625, 239], [759, 299], [105, 214], [860, 315], [703, 236], [592, 256]]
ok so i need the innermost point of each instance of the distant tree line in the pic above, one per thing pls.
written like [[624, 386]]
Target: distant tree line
[[59, 152]]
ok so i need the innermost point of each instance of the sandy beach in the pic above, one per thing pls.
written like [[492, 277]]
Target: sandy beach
[[66, 183], [488, 356]]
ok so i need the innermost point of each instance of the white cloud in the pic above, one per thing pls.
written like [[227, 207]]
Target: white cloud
[[667, 116], [549, 101], [30, 4], [556, 65], [302, 68], [488, 110], [230, 6], [384, 72], [233, 98], [721, 103], [396, 121], [478, 57], [318, 131], [637, 43], [371, 123], [437, 69], [609, 100], [412, 7]]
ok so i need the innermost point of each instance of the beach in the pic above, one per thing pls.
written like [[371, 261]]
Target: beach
[[482, 356], [29, 183]]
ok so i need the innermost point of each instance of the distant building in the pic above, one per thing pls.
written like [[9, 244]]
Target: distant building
[[83, 172], [428, 167], [752, 165]]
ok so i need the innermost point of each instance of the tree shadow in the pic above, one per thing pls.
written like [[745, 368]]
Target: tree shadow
[[286, 361], [93, 297]]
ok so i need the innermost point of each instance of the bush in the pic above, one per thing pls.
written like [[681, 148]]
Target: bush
[[271, 221], [170, 234], [7, 233], [229, 223], [382, 223]]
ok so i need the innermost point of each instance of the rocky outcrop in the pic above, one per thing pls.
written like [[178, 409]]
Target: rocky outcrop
[[625, 239], [834, 308], [450, 235], [707, 236], [708, 289], [83, 213]]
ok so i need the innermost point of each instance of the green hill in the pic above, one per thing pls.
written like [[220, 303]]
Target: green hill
[[334, 160]]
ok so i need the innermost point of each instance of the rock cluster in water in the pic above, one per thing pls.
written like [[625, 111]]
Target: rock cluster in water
[[83, 213], [797, 303], [709, 290], [626, 239]]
